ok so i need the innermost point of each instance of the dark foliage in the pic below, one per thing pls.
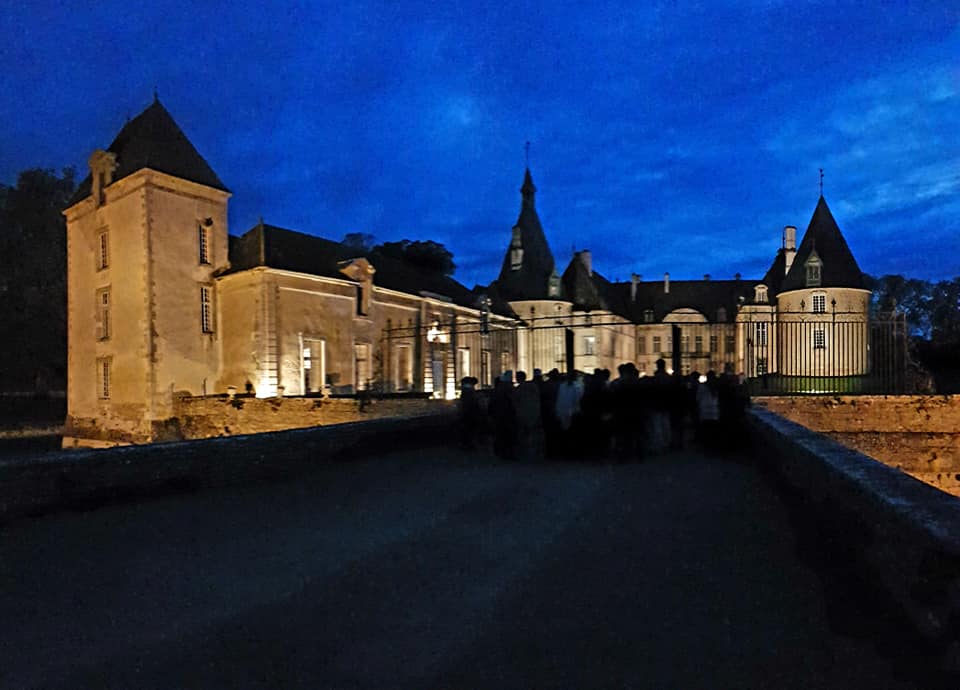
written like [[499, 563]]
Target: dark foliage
[[427, 256], [33, 272]]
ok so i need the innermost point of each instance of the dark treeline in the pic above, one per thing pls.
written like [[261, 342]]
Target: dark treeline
[[33, 280]]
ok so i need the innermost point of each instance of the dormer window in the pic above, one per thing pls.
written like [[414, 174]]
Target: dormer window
[[102, 164], [516, 250], [553, 286], [760, 294], [648, 315], [813, 268]]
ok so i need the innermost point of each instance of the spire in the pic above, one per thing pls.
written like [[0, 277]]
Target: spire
[[528, 190], [824, 240]]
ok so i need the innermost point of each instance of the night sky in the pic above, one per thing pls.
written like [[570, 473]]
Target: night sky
[[674, 137]]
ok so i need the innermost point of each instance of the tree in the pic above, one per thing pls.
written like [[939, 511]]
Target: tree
[[427, 256], [359, 240], [33, 270]]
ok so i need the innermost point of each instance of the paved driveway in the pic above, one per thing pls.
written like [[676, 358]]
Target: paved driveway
[[430, 570]]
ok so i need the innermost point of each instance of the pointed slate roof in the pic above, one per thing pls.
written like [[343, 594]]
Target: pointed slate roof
[[532, 279], [775, 275], [154, 140], [268, 245], [580, 287], [823, 236]]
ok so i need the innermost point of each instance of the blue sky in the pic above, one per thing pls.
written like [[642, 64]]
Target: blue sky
[[674, 137]]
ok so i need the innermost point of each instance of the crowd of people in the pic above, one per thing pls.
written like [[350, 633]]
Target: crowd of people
[[594, 416]]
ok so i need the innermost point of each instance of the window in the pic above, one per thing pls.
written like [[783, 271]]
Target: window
[[463, 362], [589, 345], [103, 378], [813, 266], [516, 250], [314, 364], [648, 315], [642, 345], [760, 333], [698, 344], [553, 286], [642, 367], [206, 309], [684, 343], [729, 344], [819, 339], [761, 366], [486, 376], [819, 303], [361, 353], [104, 324], [714, 344], [203, 243], [403, 376], [760, 294], [103, 250], [656, 345]]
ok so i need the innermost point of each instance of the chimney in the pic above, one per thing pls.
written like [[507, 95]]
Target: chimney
[[587, 260], [706, 276], [634, 279], [666, 283], [789, 247]]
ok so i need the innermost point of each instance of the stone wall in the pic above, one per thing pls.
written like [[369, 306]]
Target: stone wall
[[919, 434], [881, 529], [207, 417], [86, 479]]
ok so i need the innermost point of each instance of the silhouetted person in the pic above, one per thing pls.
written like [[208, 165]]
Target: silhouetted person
[[733, 400], [503, 417], [568, 409], [708, 410], [659, 400], [526, 405], [471, 413], [548, 411]]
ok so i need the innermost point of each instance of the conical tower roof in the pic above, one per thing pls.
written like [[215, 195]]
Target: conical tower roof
[[532, 279], [824, 238], [154, 140]]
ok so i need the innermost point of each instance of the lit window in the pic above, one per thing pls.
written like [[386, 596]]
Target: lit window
[[104, 324], [103, 250], [103, 378], [760, 294], [642, 345], [714, 343], [589, 345], [362, 360], [685, 343], [813, 266], [206, 310], [203, 243], [761, 334], [648, 315], [819, 303], [819, 339], [698, 344], [656, 344], [729, 344]]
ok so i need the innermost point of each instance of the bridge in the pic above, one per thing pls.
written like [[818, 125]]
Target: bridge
[[378, 555]]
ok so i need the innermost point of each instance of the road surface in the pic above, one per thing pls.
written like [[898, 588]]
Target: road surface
[[431, 569]]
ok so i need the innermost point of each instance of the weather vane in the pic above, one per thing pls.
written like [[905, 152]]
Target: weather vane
[[821, 181]]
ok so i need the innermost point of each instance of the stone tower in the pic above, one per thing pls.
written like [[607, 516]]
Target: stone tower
[[146, 234]]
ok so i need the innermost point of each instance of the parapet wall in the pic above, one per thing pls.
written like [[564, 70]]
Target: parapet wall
[[896, 532], [919, 434], [223, 416], [81, 479], [214, 416]]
